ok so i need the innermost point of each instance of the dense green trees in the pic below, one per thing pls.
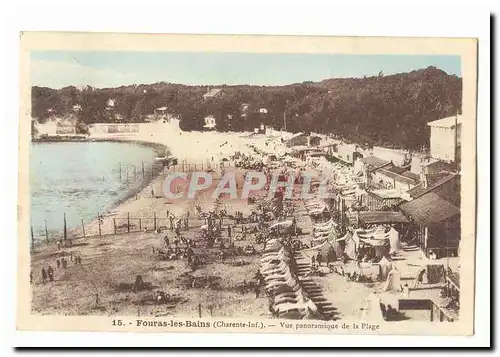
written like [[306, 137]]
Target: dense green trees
[[383, 110]]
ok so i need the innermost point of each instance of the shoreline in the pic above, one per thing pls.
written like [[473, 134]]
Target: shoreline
[[158, 149], [138, 202]]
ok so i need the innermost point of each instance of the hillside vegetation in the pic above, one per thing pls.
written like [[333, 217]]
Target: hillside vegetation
[[382, 110]]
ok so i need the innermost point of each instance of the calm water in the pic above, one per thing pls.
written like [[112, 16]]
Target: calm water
[[81, 179]]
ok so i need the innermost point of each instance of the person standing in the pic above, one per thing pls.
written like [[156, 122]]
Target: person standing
[[420, 278], [406, 291], [319, 259], [50, 272], [229, 231], [257, 291], [44, 276], [58, 263]]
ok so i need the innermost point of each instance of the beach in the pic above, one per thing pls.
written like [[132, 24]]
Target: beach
[[128, 242]]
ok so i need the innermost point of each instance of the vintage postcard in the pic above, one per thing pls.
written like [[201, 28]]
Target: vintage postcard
[[257, 184]]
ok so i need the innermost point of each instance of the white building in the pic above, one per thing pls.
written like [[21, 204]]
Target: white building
[[210, 122], [48, 128], [445, 138]]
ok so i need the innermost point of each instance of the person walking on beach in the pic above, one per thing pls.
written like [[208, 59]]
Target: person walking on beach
[[257, 291], [44, 276], [58, 263], [59, 245], [64, 263], [50, 272], [420, 278]]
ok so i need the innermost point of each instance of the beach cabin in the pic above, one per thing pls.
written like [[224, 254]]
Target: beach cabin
[[436, 224]]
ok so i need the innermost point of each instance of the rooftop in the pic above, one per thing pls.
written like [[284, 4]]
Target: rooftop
[[448, 122], [375, 161], [429, 208], [397, 177], [433, 181], [212, 93], [382, 217]]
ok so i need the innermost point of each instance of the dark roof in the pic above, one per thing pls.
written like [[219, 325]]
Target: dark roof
[[411, 175], [433, 181], [417, 190], [395, 176], [396, 169], [382, 217], [375, 161], [429, 208]]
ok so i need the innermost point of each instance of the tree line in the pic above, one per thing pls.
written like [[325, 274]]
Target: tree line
[[390, 110]]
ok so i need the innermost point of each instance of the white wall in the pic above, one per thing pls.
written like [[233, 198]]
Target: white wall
[[443, 143]]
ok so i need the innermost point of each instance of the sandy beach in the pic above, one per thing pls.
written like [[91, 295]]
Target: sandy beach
[[217, 287]]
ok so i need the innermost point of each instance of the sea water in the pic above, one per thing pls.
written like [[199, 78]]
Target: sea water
[[81, 179]]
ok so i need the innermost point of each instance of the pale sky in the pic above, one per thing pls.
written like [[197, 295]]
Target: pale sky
[[57, 69]]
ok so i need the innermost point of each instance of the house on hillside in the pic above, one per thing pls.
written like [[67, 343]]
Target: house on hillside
[[446, 138], [213, 93], [296, 139]]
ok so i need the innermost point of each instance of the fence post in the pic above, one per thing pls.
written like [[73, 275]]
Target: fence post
[[32, 239], [83, 229], [46, 232], [140, 224], [99, 222], [114, 224], [65, 228], [154, 221], [128, 222]]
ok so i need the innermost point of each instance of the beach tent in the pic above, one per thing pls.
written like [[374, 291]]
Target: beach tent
[[325, 249], [385, 266], [394, 241], [393, 282], [273, 246], [350, 246]]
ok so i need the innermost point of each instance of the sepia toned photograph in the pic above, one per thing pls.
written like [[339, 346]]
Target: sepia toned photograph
[[256, 187]]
